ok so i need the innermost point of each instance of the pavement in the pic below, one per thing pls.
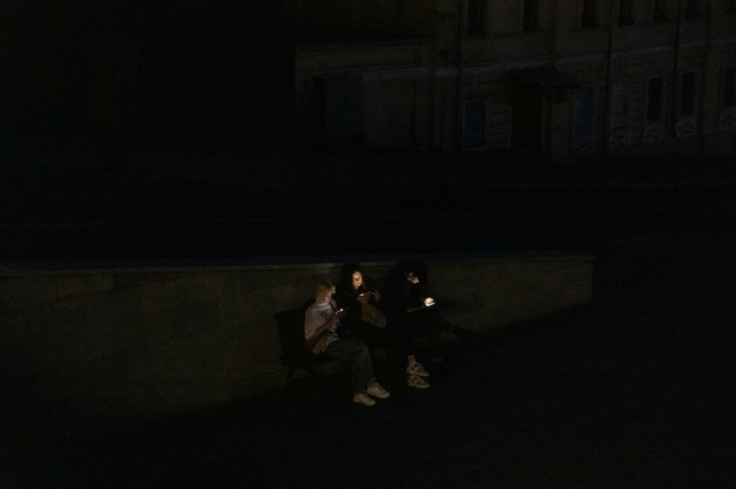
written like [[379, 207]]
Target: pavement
[[636, 389]]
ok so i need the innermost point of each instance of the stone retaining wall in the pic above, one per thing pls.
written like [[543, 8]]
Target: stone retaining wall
[[106, 344]]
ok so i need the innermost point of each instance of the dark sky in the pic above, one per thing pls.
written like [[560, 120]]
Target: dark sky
[[183, 70]]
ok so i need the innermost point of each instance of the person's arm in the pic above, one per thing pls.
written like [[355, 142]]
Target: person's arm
[[413, 298], [412, 309], [376, 295], [312, 331]]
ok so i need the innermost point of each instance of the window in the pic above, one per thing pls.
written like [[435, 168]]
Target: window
[[474, 125], [624, 13], [691, 9], [620, 108], [687, 94], [660, 11], [588, 15], [584, 111], [727, 99], [728, 90], [655, 102], [530, 15], [474, 25]]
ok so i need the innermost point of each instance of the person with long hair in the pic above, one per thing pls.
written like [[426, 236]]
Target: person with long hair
[[364, 319]]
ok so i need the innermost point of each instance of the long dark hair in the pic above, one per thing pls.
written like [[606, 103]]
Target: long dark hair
[[345, 287]]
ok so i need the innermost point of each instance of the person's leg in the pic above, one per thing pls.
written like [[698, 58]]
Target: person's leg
[[406, 331], [413, 367], [372, 336], [357, 354], [363, 380], [427, 324], [404, 337], [430, 324], [433, 319]]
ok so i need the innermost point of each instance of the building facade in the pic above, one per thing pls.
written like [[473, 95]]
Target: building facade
[[555, 78]]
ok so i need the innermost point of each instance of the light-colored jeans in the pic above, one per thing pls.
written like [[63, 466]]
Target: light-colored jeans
[[356, 353]]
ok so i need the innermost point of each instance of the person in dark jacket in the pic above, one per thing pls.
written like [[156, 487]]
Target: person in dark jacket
[[322, 323], [364, 319], [414, 313]]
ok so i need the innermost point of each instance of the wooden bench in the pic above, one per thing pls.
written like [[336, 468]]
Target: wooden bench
[[293, 354]]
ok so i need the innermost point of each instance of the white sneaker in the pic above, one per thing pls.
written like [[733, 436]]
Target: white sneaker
[[417, 382], [364, 399], [416, 369], [377, 390]]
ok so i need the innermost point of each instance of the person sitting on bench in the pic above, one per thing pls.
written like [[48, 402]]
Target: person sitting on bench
[[414, 313], [321, 334]]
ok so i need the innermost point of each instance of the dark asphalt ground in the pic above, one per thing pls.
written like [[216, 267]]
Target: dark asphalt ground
[[637, 389]]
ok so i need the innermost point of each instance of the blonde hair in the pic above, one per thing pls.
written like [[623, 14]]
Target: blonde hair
[[322, 288]]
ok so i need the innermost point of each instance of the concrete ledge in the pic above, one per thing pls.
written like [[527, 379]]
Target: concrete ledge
[[102, 344]]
